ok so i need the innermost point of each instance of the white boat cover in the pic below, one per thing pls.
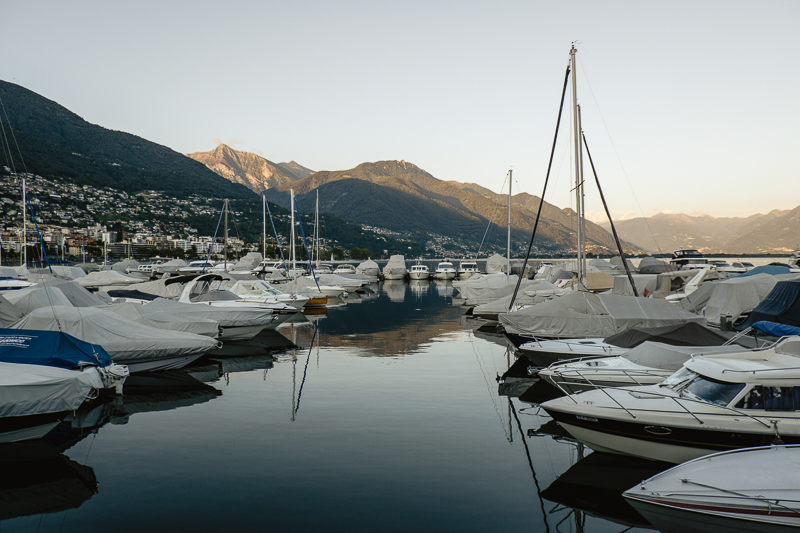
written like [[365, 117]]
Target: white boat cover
[[496, 264], [26, 300], [645, 284], [123, 339], [248, 262], [395, 268], [483, 289], [171, 266], [227, 317], [8, 312], [667, 357], [348, 283], [617, 262], [124, 265], [534, 293], [739, 295], [103, 278], [36, 389], [159, 287], [601, 264], [8, 272], [696, 301], [296, 288], [368, 267], [67, 272], [149, 316], [584, 314], [651, 265]]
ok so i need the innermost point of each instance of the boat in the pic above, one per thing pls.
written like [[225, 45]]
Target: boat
[[687, 259], [395, 268], [344, 269], [748, 490], [369, 267], [445, 270], [196, 268], [467, 269], [35, 398], [713, 403], [260, 290], [419, 271]]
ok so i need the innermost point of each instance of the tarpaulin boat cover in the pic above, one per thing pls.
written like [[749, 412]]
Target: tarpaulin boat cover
[[601, 264], [369, 267], [778, 330], [396, 266], [584, 314], [68, 272], [496, 264], [26, 300], [534, 293], [8, 312], [484, 289], [669, 357], [103, 278], [33, 389], [296, 288], [227, 317], [651, 265], [688, 334], [144, 314], [774, 270], [782, 305], [123, 339], [696, 301], [617, 262], [49, 348], [739, 295], [164, 288], [248, 262], [124, 265], [645, 284]]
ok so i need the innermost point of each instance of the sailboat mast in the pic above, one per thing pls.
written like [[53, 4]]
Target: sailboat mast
[[578, 180], [23, 257], [264, 230], [225, 238], [294, 258], [316, 231], [582, 205], [508, 245]]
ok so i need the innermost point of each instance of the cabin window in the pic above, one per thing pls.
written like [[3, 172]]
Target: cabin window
[[693, 385], [771, 399]]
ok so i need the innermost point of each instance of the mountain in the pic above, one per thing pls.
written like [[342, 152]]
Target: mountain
[[56, 142], [250, 170], [403, 198], [667, 232], [298, 170]]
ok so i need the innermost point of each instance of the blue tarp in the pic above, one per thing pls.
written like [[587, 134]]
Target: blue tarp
[[772, 270], [779, 330], [781, 305], [49, 348]]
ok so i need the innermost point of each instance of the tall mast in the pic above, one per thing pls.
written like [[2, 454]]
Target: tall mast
[[508, 246], [264, 231], [294, 258], [578, 174], [23, 257], [225, 238], [316, 231], [582, 205]]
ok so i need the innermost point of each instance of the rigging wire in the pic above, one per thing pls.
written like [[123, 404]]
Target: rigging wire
[[619, 159], [491, 220]]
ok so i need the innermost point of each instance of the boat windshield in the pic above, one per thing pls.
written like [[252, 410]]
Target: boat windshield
[[698, 387]]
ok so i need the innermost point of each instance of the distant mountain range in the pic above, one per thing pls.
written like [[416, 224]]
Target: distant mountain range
[[403, 198], [776, 232]]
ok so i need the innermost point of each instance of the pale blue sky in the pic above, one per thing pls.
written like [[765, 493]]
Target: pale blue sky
[[698, 99]]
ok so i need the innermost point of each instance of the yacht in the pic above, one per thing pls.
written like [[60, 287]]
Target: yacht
[[419, 271], [687, 260], [714, 403], [345, 269], [445, 270], [467, 269], [260, 290], [196, 268]]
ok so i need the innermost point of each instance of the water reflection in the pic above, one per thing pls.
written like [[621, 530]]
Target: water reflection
[[38, 479]]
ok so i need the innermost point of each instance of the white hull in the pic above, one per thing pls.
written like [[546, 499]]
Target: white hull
[[419, 275], [605, 442], [394, 276]]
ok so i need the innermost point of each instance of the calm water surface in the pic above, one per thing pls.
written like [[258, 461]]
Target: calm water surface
[[386, 417]]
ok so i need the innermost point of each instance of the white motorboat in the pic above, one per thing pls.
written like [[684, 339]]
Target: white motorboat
[[467, 269], [445, 270], [261, 291], [748, 490], [687, 259], [419, 271], [714, 403], [543, 352], [344, 269], [8, 283], [195, 268]]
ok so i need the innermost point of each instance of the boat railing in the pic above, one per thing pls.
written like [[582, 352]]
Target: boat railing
[[632, 374], [677, 400], [757, 497]]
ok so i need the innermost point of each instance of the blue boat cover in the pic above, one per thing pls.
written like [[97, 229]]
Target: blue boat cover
[[49, 348], [779, 330], [772, 270], [781, 305]]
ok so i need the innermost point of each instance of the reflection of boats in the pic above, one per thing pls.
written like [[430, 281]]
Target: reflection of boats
[[755, 489], [595, 484], [37, 479], [444, 289], [395, 289], [246, 364], [714, 403], [419, 286]]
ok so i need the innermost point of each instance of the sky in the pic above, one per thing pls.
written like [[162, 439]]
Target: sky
[[687, 106]]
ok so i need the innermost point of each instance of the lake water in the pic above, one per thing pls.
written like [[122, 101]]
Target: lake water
[[386, 417]]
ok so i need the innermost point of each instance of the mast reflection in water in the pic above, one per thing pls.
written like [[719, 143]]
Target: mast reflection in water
[[389, 421]]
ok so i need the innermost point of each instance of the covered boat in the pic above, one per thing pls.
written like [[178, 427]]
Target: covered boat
[[737, 296], [584, 314], [149, 316], [369, 267], [483, 289], [496, 264], [140, 347], [395, 268], [782, 305]]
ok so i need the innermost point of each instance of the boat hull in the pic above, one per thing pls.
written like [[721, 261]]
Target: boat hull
[[419, 275], [160, 363], [17, 428], [239, 333]]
